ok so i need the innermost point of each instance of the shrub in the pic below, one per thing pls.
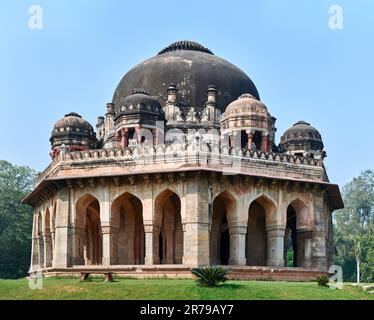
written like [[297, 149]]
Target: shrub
[[322, 280], [210, 276]]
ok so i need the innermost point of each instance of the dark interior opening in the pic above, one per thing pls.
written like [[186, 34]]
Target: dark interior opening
[[257, 139], [243, 139], [225, 247], [291, 238]]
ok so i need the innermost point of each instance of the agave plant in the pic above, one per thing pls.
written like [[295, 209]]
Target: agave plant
[[322, 280], [210, 276]]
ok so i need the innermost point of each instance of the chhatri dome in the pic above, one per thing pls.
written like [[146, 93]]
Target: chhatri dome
[[183, 172]]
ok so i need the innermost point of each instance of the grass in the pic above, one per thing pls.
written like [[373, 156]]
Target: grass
[[161, 289]]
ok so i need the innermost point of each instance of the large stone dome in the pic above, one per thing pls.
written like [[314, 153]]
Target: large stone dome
[[192, 68]]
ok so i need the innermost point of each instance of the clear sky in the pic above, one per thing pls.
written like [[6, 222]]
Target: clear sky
[[303, 69]]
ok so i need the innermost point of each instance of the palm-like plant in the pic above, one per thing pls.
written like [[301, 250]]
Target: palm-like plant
[[210, 276]]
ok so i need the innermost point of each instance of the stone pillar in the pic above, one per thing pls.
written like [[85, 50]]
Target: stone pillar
[[275, 250], [105, 218], [319, 260], [34, 255], [53, 237], [265, 142], [124, 137], [196, 236], [40, 242], [47, 250], [61, 256], [108, 245], [237, 245], [79, 251], [117, 139], [151, 244], [34, 247], [250, 139], [304, 248]]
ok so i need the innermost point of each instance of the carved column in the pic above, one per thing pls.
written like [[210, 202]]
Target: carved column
[[108, 245], [275, 250], [319, 260], [47, 250], [61, 257], [196, 236], [124, 137], [106, 228], [250, 139], [265, 142], [237, 245], [151, 244], [304, 248], [40, 242], [117, 138], [34, 254]]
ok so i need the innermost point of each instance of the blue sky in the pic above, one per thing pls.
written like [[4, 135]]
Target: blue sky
[[302, 69]]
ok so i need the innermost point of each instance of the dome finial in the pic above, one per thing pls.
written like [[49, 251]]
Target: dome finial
[[185, 45]]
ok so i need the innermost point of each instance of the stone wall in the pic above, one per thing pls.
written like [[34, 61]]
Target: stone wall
[[59, 240]]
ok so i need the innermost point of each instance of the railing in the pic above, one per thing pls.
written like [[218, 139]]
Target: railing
[[182, 152], [177, 154]]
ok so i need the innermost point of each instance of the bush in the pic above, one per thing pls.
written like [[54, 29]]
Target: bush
[[210, 276], [322, 280]]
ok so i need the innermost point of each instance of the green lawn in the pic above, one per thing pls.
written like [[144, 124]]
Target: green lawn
[[69, 288]]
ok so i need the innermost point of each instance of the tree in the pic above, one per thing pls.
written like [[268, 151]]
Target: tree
[[15, 220], [354, 229]]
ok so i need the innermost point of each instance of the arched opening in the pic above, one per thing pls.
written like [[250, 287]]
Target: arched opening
[[243, 139], [168, 217], [290, 240], [128, 226], [298, 235], [88, 229], [225, 247], [223, 205], [47, 240], [256, 240], [40, 240]]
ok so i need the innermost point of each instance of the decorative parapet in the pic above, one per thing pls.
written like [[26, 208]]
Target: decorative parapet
[[234, 159]]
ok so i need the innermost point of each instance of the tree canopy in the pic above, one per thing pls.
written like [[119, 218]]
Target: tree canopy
[[15, 220], [354, 228]]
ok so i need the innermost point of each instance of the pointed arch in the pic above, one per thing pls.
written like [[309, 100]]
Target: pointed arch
[[128, 226], [170, 235], [268, 203], [298, 235], [260, 211], [224, 211], [88, 231]]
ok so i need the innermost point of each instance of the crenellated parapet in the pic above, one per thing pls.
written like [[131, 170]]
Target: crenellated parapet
[[178, 151], [188, 156]]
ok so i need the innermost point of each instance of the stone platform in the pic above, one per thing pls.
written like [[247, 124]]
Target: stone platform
[[183, 272]]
